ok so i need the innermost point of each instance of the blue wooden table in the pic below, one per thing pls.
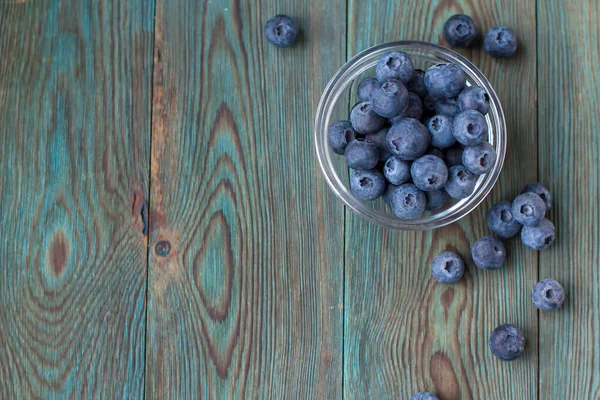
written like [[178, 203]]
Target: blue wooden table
[[166, 232]]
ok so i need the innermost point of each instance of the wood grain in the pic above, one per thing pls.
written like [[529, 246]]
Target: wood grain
[[403, 331], [247, 303], [569, 145], [74, 153]]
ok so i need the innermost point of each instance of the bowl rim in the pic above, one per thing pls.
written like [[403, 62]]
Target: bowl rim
[[344, 77]]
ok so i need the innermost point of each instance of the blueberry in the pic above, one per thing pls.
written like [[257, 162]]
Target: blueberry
[[395, 65], [453, 155], [500, 42], [408, 139], [364, 119], [436, 199], [281, 31], [417, 84], [447, 267], [429, 172], [479, 159], [445, 81], [539, 237], [380, 141], [470, 128], [414, 110], [424, 396], [366, 87], [447, 107], [339, 135], [440, 127], [507, 342], [361, 154], [474, 98], [548, 295], [461, 182], [387, 195], [528, 208], [396, 171], [488, 253], [434, 151], [390, 98], [367, 185], [408, 202], [501, 221], [541, 191], [460, 30], [429, 103]]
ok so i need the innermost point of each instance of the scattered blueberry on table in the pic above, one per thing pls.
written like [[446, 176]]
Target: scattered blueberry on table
[[539, 237], [541, 191], [548, 295], [281, 30], [501, 221], [507, 342], [447, 267], [488, 253], [460, 30], [500, 42], [424, 396], [528, 208]]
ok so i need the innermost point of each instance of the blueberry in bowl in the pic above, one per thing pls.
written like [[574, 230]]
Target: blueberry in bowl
[[445, 136]]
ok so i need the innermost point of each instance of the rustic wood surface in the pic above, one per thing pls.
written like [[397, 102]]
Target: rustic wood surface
[[166, 232]]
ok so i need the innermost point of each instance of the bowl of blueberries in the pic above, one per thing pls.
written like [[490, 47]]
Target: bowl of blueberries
[[410, 135]]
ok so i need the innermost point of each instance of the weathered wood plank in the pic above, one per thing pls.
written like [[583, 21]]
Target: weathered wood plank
[[569, 147], [404, 332], [248, 301], [75, 82]]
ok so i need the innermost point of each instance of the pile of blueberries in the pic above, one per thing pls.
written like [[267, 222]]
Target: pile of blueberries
[[415, 137]]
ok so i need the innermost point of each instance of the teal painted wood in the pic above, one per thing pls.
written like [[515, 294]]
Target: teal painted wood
[[403, 332], [74, 153], [569, 147], [247, 304]]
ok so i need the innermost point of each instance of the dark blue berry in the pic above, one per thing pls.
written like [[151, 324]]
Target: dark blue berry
[[488, 253], [414, 110], [507, 342], [434, 151], [541, 191], [440, 127], [364, 119], [339, 135], [501, 221], [460, 30], [528, 208], [379, 139], [395, 65], [436, 199], [470, 128], [429, 103], [445, 81], [453, 155], [548, 295], [417, 83], [539, 237], [361, 154], [367, 185], [366, 87], [408, 202], [424, 396], [429, 172], [387, 195], [396, 171], [479, 159], [500, 42], [474, 98], [461, 182], [390, 98], [281, 31], [408, 139], [447, 267], [447, 107]]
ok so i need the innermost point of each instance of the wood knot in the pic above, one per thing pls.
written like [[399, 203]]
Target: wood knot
[[162, 248]]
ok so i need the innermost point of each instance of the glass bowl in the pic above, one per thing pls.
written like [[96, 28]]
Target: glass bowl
[[340, 95]]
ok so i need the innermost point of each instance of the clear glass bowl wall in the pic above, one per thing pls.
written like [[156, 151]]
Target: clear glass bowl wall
[[340, 95]]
